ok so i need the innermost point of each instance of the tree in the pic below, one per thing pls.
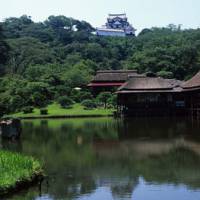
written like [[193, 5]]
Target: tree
[[145, 31], [4, 52], [65, 101], [165, 74], [104, 97], [89, 104], [4, 103], [40, 62], [28, 51], [57, 22], [78, 76], [14, 26]]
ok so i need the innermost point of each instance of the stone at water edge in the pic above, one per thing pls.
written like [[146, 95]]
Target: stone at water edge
[[11, 129]]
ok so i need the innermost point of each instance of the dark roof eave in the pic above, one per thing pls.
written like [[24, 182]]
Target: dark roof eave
[[147, 91], [191, 89]]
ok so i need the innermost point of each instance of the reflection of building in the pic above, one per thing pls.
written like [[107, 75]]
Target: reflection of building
[[192, 89], [110, 80], [159, 96], [117, 25]]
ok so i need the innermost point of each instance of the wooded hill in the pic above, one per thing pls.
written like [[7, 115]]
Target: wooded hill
[[40, 62]]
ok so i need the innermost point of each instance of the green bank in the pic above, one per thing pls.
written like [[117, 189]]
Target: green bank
[[55, 110], [17, 171]]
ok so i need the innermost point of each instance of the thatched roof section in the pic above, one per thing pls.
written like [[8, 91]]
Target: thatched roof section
[[115, 75], [151, 84], [194, 82]]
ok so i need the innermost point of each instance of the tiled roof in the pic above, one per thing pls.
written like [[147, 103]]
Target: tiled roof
[[194, 82], [115, 75], [150, 83]]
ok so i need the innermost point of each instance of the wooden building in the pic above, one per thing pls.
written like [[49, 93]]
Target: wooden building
[[159, 96], [111, 80], [151, 96], [191, 89]]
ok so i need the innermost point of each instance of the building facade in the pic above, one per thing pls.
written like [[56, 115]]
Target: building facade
[[191, 89], [148, 96], [116, 25], [111, 80]]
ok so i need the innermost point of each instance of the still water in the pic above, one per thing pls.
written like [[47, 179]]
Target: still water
[[107, 159]]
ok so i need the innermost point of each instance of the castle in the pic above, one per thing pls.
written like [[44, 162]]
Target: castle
[[117, 25]]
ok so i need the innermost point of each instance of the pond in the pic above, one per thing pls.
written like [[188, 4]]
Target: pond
[[107, 159]]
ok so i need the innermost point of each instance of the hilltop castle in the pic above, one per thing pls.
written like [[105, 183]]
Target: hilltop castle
[[117, 25]]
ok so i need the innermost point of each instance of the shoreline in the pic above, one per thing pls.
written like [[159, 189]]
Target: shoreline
[[56, 112], [62, 116], [22, 185], [18, 172]]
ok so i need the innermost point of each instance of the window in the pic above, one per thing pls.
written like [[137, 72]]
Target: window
[[180, 104]]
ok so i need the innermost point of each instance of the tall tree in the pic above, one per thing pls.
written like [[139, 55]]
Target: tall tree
[[4, 51]]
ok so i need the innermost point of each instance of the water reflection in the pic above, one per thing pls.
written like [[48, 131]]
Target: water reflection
[[113, 159]]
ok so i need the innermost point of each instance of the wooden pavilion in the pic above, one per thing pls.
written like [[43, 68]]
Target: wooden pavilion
[[151, 96], [191, 89], [111, 80], [159, 96]]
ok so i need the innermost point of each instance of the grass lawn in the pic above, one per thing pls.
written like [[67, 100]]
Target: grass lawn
[[56, 110], [16, 169]]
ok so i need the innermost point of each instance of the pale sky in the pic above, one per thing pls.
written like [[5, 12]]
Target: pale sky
[[141, 13]]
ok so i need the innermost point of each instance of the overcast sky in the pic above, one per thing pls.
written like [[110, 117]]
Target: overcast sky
[[141, 13]]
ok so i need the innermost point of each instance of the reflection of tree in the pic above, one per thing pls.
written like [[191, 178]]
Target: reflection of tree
[[11, 145], [123, 189], [179, 166], [81, 155], [63, 186], [30, 195]]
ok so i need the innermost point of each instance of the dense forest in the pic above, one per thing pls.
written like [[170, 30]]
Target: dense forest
[[41, 62]]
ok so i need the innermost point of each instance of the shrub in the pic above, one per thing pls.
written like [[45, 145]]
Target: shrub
[[43, 111], [39, 99], [84, 95], [112, 101], [28, 109], [165, 74], [103, 98], [65, 101], [89, 104]]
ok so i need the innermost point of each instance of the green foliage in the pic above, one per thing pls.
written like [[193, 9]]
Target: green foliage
[[14, 27], [40, 62], [78, 76], [89, 104], [55, 110], [28, 109], [113, 100], [65, 101], [16, 168], [4, 50], [4, 104], [80, 95], [27, 51], [103, 98], [165, 74], [44, 111]]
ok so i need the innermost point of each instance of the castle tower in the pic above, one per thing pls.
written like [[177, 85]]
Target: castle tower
[[116, 25]]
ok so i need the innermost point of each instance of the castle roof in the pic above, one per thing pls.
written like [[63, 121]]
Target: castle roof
[[110, 30], [112, 16]]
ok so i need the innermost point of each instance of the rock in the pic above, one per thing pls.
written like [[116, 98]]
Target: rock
[[11, 129]]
